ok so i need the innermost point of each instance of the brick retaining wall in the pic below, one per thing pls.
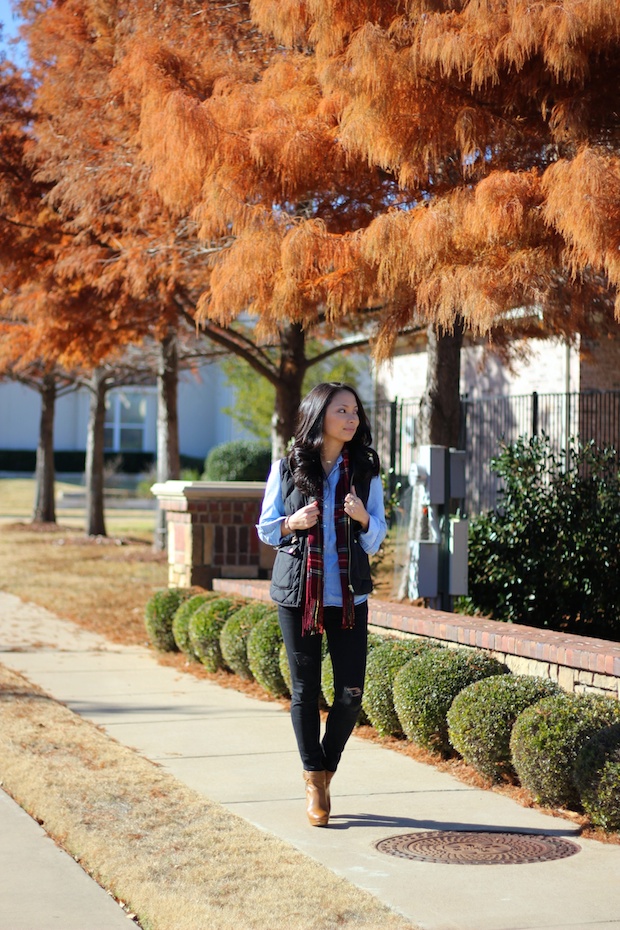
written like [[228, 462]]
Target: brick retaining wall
[[576, 663], [212, 543]]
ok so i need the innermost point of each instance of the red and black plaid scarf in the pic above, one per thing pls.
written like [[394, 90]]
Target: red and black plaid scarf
[[312, 618]]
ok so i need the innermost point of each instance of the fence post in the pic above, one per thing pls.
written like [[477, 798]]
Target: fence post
[[393, 416], [535, 414]]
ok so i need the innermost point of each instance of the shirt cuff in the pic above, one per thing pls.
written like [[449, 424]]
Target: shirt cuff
[[370, 539], [270, 532]]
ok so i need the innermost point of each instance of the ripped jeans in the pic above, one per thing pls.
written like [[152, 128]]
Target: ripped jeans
[[348, 653]]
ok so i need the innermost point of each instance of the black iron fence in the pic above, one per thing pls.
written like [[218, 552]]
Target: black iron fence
[[487, 422]]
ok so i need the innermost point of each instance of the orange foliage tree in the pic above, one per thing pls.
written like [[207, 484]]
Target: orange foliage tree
[[442, 161], [238, 137], [56, 327], [501, 118], [143, 258]]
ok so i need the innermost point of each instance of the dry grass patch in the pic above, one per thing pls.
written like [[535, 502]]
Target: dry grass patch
[[101, 584], [180, 861]]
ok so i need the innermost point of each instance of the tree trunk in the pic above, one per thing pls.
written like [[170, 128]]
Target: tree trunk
[[44, 505], [168, 455], [440, 410], [293, 365], [95, 520]]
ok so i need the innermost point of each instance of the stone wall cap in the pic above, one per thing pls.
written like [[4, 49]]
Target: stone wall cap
[[205, 490]]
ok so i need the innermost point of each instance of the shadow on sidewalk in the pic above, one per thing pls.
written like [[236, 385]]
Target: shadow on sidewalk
[[349, 821]]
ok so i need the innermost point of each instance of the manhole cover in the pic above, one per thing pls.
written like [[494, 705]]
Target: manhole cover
[[473, 848]]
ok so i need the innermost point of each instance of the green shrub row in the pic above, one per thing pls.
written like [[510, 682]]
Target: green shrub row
[[563, 748], [220, 632]]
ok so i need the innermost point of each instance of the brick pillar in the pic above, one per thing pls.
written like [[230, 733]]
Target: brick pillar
[[211, 531]]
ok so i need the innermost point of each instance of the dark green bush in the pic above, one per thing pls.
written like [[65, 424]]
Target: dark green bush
[[384, 662], [264, 644], [482, 715], [158, 615], [426, 686], [597, 776], [285, 670], [205, 627], [550, 554], [234, 636], [239, 460], [547, 738], [181, 618]]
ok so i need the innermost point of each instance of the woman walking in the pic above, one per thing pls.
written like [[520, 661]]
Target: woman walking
[[323, 509]]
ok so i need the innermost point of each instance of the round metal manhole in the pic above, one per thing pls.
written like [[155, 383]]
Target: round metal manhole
[[478, 848]]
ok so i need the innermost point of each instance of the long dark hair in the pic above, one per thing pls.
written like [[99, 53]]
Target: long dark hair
[[305, 456]]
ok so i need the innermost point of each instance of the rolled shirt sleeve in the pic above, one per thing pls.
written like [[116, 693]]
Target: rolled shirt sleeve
[[371, 540], [272, 512]]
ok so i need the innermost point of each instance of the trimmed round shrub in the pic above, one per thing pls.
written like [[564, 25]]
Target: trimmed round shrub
[[234, 636], [180, 622], [158, 615], [384, 662], [482, 715], [285, 670], [327, 679], [547, 738], [205, 626], [264, 644], [375, 639], [597, 777], [426, 686], [238, 460]]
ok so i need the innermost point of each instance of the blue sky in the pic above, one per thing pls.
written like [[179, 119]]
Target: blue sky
[[6, 18], [9, 29]]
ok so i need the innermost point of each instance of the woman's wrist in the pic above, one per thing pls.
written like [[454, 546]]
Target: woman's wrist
[[286, 527]]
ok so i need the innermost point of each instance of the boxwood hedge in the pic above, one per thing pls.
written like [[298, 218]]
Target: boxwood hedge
[[384, 663], [181, 618], [158, 615], [264, 644], [547, 738], [426, 686], [482, 715], [235, 633], [597, 776], [205, 626]]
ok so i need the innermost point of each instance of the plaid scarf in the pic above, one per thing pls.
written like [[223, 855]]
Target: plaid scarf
[[312, 618]]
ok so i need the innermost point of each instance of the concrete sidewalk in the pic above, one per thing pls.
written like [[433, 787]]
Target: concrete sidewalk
[[240, 752]]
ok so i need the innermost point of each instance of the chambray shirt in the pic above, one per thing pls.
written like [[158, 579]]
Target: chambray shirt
[[272, 513]]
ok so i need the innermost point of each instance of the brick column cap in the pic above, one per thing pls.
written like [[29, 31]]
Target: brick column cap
[[191, 491]]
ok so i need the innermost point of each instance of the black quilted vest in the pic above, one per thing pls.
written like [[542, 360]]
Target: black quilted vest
[[288, 579]]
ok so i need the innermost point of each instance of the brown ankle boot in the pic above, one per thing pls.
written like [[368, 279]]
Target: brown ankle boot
[[328, 778], [317, 807]]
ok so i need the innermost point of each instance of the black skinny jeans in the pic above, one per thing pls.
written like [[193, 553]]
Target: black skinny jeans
[[348, 653]]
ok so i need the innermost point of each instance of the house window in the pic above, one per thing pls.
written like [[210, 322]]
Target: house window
[[125, 421]]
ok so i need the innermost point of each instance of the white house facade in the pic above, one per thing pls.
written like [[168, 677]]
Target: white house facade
[[547, 366], [131, 418]]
